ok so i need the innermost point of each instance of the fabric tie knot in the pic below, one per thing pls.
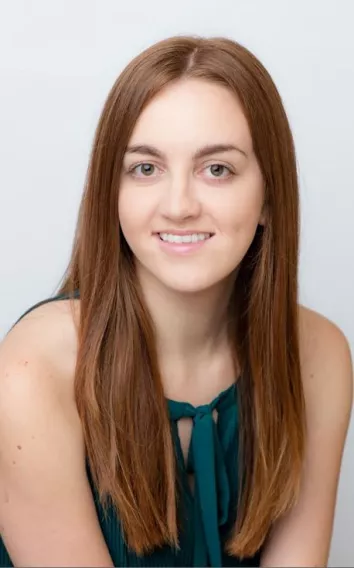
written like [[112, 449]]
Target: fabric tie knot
[[206, 461]]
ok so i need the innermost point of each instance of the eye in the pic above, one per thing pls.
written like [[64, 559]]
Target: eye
[[144, 169], [219, 171]]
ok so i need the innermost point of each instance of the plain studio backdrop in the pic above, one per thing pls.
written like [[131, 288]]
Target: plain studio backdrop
[[58, 60]]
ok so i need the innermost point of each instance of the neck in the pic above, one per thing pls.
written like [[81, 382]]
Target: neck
[[191, 328]]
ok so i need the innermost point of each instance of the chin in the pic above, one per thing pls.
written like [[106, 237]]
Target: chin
[[189, 285], [187, 289], [185, 280]]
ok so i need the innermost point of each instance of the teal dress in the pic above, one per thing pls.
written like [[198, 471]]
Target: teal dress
[[210, 511]]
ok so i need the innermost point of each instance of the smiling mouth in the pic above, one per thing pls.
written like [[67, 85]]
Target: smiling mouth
[[184, 238]]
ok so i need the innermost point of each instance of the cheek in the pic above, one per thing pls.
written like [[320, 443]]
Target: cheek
[[241, 213], [135, 212], [240, 205], [238, 220]]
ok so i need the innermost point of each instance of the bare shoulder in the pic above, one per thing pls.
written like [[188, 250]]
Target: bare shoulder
[[37, 363], [326, 364], [316, 329], [45, 496], [46, 338], [302, 537]]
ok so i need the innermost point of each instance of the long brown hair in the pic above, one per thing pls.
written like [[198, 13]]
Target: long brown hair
[[117, 382]]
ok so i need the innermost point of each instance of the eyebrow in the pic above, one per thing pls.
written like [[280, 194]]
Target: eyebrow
[[200, 153]]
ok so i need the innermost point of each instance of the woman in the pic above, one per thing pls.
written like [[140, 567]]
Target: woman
[[174, 405]]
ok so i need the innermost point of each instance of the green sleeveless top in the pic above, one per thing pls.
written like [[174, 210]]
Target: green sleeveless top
[[209, 512]]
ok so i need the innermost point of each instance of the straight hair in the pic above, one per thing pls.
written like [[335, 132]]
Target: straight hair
[[118, 386]]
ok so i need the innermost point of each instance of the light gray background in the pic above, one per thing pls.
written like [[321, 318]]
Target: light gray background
[[58, 60]]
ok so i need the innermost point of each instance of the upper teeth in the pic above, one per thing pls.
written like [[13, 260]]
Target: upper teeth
[[193, 238]]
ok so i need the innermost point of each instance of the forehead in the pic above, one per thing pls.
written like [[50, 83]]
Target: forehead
[[192, 113]]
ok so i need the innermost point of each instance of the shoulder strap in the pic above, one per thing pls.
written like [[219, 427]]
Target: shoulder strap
[[65, 296]]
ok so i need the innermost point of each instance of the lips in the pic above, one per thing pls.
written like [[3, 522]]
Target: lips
[[183, 233]]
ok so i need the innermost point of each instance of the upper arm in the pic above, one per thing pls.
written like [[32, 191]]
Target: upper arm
[[47, 512], [303, 536]]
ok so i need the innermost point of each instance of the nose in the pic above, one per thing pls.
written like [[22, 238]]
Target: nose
[[180, 200]]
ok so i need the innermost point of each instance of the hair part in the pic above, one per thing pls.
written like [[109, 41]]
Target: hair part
[[117, 355]]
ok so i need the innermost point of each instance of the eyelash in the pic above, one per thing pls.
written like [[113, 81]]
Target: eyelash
[[130, 171]]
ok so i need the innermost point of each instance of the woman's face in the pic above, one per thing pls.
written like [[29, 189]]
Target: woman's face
[[191, 193]]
